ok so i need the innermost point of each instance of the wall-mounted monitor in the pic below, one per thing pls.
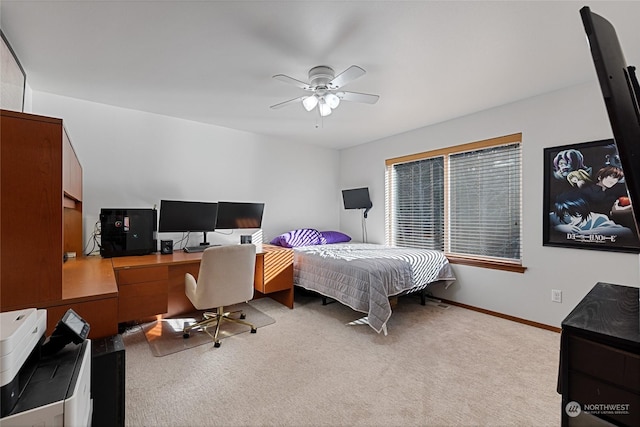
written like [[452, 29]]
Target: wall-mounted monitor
[[233, 215], [621, 93], [356, 198]]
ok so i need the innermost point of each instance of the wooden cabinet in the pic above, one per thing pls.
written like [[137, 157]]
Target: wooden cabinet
[[600, 358], [31, 224], [274, 274], [41, 205]]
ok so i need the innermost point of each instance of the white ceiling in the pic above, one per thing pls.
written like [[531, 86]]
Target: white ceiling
[[213, 61]]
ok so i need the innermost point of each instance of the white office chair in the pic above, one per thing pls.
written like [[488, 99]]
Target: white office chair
[[225, 278]]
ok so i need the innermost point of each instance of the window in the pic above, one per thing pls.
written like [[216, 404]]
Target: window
[[464, 200]]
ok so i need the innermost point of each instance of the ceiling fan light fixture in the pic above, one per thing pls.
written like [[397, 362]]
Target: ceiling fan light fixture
[[332, 100], [324, 108], [310, 102]]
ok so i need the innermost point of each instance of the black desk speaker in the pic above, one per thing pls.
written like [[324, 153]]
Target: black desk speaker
[[166, 246], [108, 381]]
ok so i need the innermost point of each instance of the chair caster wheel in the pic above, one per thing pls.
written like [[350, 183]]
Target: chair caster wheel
[[254, 330], [186, 335], [243, 316], [216, 344]]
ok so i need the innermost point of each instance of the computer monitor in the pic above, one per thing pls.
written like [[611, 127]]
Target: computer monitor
[[186, 216], [233, 215], [356, 198]]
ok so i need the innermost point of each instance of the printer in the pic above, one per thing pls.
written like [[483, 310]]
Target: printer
[[44, 388]]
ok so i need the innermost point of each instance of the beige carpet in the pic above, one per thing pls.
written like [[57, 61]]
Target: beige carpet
[[437, 367], [165, 336]]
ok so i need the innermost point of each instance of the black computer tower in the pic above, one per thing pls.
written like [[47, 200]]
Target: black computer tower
[[128, 232], [108, 381]]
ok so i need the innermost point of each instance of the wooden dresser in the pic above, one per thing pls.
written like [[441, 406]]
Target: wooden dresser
[[600, 358]]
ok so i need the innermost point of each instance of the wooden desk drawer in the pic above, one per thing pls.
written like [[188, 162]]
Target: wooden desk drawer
[[142, 274], [604, 362], [140, 300], [278, 280], [274, 271]]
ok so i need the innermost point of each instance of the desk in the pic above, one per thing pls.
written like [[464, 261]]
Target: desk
[[89, 288], [600, 357], [108, 291], [153, 284]]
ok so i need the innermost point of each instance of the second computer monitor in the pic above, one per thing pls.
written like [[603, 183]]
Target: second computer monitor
[[239, 215]]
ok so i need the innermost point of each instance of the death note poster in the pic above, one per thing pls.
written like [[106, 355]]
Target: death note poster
[[586, 202]]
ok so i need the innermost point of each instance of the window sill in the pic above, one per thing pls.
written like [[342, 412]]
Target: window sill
[[496, 265]]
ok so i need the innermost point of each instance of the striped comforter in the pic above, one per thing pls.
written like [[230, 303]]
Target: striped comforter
[[363, 276]]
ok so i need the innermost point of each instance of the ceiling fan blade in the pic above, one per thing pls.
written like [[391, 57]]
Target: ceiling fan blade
[[291, 80], [358, 97], [346, 76], [285, 103]]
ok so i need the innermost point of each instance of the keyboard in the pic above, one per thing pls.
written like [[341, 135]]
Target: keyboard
[[197, 248]]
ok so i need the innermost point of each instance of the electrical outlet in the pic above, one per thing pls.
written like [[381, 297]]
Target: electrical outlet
[[556, 295]]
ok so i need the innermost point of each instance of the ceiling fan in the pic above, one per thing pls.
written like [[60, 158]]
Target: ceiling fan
[[326, 86]]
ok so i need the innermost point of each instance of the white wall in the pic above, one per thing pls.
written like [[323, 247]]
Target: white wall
[[132, 159], [569, 116]]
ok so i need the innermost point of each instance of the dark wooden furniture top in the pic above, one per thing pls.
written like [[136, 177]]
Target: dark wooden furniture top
[[608, 313]]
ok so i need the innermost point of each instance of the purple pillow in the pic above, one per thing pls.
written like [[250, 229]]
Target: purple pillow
[[333, 237], [299, 237]]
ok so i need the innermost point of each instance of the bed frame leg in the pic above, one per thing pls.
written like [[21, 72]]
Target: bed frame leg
[[325, 301], [423, 297]]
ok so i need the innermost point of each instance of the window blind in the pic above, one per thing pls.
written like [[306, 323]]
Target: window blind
[[417, 191], [485, 203]]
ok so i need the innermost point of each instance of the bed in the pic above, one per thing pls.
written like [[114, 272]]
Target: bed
[[364, 276]]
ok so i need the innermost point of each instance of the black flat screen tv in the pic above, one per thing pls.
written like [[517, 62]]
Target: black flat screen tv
[[621, 93], [232, 215], [356, 198]]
